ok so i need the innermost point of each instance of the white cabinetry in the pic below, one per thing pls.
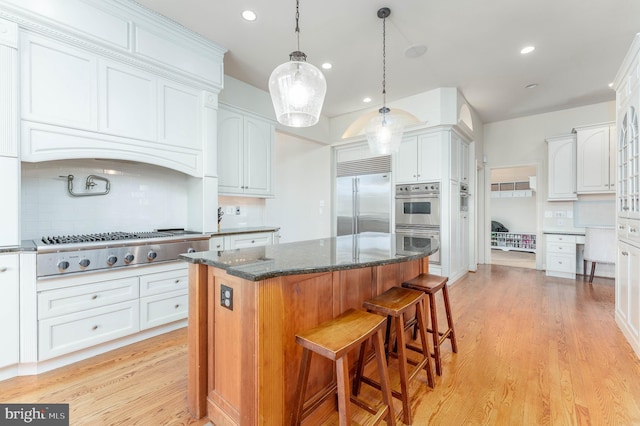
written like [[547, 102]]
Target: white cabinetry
[[85, 311], [9, 310], [256, 239], [79, 103], [459, 156], [596, 159], [9, 161], [419, 159], [561, 255], [163, 298], [128, 99], [245, 153], [627, 85], [628, 290], [59, 83], [562, 167]]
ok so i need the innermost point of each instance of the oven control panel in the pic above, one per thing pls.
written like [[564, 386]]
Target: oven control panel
[[418, 188]]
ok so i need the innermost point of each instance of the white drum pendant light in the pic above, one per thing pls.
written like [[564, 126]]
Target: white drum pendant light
[[297, 88], [384, 131]]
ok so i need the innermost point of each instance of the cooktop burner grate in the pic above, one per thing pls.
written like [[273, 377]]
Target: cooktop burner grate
[[106, 236]]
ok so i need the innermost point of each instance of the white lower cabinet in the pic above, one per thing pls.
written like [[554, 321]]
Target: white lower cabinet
[[163, 298], [163, 308], [256, 239], [80, 330], [9, 309], [628, 291], [79, 312], [561, 255]]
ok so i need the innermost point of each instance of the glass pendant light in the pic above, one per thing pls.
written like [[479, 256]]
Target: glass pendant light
[[384, 131], [297, 88]]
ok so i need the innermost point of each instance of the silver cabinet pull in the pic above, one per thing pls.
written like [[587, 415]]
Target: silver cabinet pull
[[3, 269]]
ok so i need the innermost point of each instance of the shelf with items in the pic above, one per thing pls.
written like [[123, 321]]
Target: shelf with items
[[513, 241], [513, 189]]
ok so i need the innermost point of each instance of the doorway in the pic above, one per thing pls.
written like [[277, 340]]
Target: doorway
[[513, 216]]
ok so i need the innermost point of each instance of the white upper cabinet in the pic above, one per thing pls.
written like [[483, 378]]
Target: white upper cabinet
[[628, 147], [127, 101], [459, 154], [179, 115], [245, 154], [596, 160], [419, 158], [59, 83], [111, 80], [561, 155]]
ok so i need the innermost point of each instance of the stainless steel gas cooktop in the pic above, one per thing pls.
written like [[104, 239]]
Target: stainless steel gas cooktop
[[60, 255]]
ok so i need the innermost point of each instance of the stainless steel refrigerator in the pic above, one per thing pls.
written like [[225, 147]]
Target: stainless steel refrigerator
[[363, 203]]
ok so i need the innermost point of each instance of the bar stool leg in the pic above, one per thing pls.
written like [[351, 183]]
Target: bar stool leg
[[344, 394], [402, 364], [421, 314], [303, 376], [447, 308], [435, 333], [385, 384]]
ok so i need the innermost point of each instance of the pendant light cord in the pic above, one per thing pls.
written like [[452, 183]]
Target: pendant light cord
[[297, 22], [384, 62]]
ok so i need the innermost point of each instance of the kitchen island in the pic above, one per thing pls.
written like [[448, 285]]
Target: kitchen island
[[246, 305]]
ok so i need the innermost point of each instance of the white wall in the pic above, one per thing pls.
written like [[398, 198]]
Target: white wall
[[143, 197], [302, 203]]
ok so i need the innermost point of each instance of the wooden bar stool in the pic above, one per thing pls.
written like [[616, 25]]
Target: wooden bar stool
[[396, 303], [334, 340], [431, 284]]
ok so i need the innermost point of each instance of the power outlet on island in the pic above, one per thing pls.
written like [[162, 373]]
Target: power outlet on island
[[226, 297]]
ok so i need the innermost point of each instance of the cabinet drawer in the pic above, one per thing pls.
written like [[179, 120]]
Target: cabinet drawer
[[164, 282], [561, 263], [68, 333], [249, 240], [163, 309], [559, 238], [561, 248], [216, 244], [87, 296]]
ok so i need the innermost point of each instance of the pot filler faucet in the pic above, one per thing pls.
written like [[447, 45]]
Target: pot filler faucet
[[89, 184]]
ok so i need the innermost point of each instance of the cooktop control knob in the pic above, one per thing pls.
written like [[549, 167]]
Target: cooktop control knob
[[128, 258], [63, 264], [152, 255], [84, 262], [111, 260]]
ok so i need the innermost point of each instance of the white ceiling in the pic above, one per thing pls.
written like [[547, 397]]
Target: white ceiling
[[473, 45]]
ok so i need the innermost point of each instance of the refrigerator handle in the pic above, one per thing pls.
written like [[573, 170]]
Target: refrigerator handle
[[354, 200]]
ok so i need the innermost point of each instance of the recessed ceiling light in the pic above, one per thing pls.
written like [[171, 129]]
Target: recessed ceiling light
[[527, 49], [611, 84], [531, 86], [249, 15], [327, 66], [366, 100]]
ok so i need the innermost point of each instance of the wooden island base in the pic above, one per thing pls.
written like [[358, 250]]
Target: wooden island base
[[243, 362]]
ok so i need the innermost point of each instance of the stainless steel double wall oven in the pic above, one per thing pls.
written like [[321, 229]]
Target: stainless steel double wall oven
[[417, 211]]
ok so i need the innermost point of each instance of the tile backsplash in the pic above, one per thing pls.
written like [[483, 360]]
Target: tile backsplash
[[241, 211], [143, 197]]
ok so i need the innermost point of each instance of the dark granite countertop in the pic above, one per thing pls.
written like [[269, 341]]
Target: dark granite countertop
[[307, 257], [245, 230]]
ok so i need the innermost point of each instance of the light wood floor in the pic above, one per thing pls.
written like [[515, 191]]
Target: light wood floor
[[533, 350]]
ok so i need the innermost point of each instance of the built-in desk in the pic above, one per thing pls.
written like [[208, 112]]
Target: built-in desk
[[564, 254], [246, 305]]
